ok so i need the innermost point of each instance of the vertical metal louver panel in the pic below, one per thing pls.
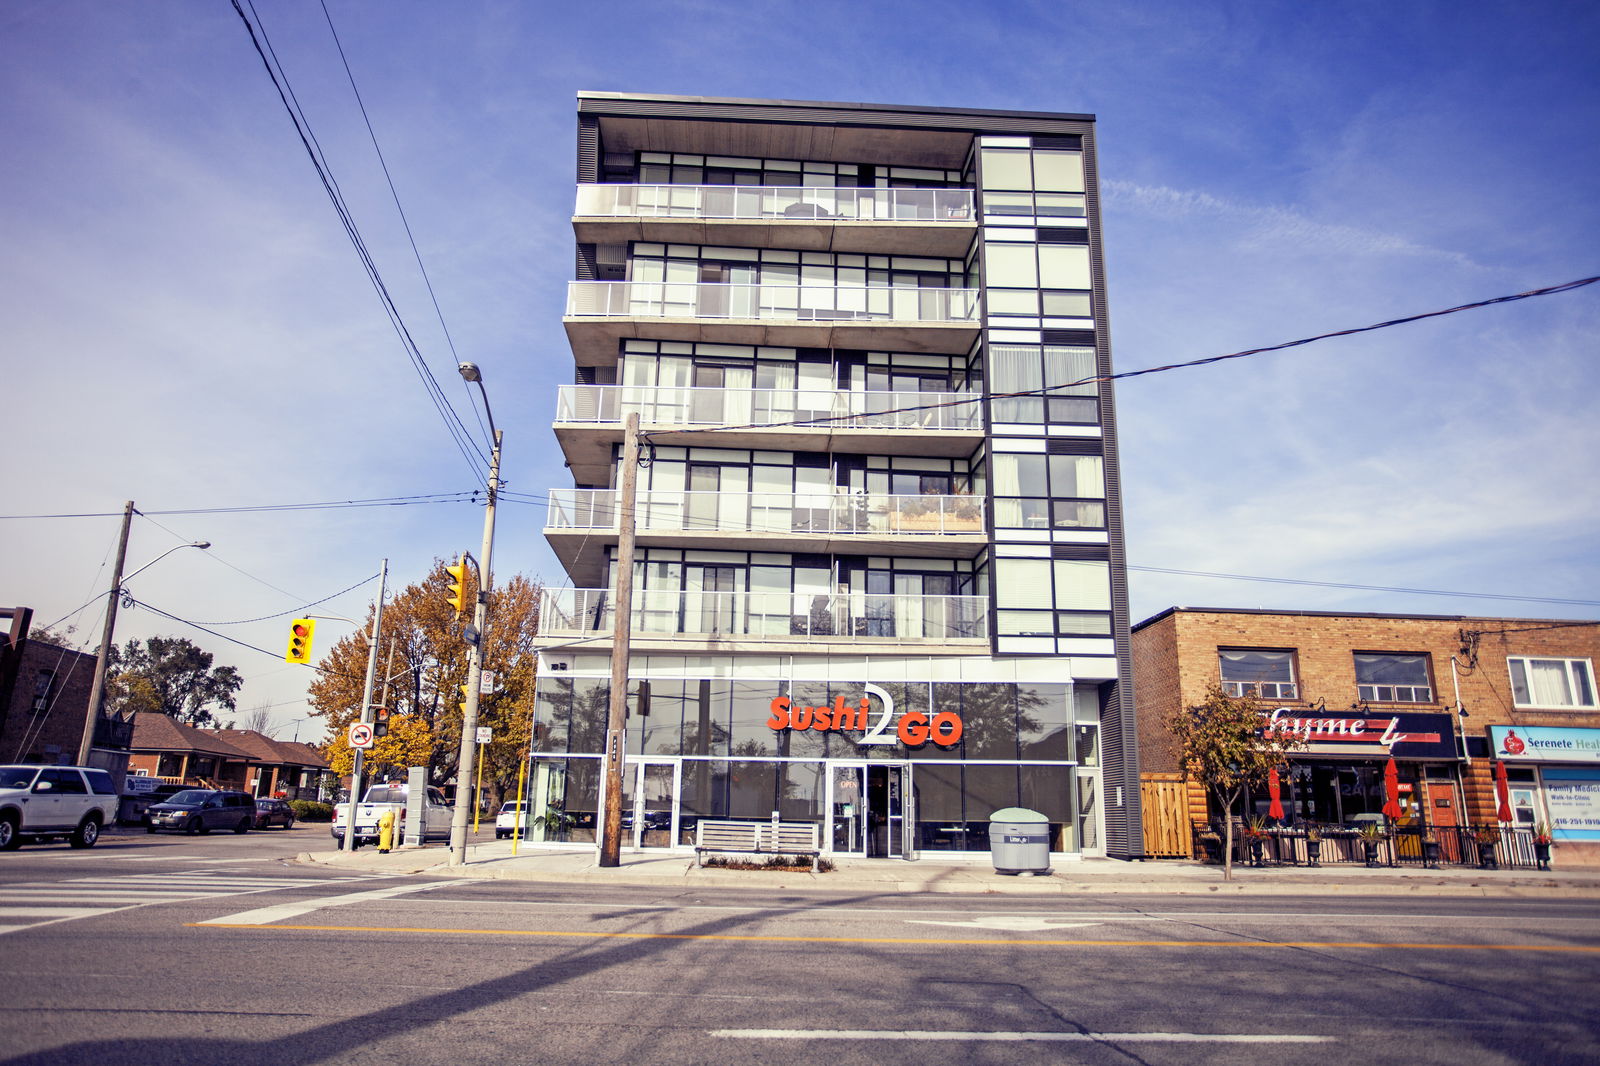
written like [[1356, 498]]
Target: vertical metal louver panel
[[588, 149], [1073, 446], [588, 263]]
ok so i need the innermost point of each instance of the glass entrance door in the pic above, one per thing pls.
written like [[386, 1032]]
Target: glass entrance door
[[650, 804], [867, 801]]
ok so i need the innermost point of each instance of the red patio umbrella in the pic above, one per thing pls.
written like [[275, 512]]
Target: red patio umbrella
[[1276, 792], [1391, 789], [1502, 790]]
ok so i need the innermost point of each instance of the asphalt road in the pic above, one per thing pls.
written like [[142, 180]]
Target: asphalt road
[[218, 950]]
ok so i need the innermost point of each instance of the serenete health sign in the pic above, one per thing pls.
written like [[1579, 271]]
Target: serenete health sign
[[1530, 743]]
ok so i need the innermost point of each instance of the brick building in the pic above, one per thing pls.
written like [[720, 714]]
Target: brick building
[[243, 759], [1449, 697]]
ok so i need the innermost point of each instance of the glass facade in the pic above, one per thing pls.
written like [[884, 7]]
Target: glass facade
[[707, 747], [872, 587]]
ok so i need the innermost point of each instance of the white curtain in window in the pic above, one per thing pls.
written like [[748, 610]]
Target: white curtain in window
[[1547, 678]]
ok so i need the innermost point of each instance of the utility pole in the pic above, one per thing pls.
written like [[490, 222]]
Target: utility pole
[[366, 706], [97, 690], [616, 726], [475, 647]]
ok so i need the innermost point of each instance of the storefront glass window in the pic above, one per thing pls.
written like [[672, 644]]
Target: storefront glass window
[[1044, 712], [940, 822], [989, 717]]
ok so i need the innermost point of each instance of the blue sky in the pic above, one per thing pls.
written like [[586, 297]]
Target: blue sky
[[183, 323]]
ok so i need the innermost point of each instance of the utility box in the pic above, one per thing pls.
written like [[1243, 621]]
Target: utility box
[[1019, 841]]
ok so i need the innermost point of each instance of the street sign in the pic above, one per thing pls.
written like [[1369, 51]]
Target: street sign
[[486, 683], [485, 733], [360, 735]]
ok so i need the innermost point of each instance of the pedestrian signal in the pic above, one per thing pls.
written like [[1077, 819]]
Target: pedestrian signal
[[300, 631], [380, 721]]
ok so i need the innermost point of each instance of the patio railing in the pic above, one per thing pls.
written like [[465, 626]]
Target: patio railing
[[673, 405], [771, 203], [1403, 846]]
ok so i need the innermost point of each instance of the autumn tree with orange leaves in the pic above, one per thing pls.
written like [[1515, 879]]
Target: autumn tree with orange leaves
[[422, 666]]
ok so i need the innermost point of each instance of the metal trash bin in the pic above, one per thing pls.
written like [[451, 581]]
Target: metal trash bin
[[1019, 841]]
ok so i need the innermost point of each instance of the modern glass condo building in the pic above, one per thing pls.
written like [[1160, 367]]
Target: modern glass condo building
[[878, 582]]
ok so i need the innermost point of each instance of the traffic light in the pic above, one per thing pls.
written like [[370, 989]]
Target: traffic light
[[300, 631], [380, 721], [458, 594]]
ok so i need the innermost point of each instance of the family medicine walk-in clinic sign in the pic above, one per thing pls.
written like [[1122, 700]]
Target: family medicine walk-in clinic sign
[[1572, 793]]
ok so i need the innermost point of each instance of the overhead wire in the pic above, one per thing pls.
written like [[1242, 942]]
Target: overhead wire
[[1547, 290], [460, 496], [404, 221], [457, 429]]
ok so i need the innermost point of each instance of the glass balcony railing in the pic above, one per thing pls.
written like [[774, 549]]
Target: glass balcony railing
[[778, 513], [859, 304], [829, 408], [770, 614], [769, 203]]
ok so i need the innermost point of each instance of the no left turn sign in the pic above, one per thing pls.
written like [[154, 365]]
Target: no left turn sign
[[360, 735]]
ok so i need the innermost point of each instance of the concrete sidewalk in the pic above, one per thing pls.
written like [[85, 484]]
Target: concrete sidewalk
[[1088, 877]]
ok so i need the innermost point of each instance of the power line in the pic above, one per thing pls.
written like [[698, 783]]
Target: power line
[[294, 610], [452, 421], [235, 640], [1367, 588], [464, 496], [1099, 378], [404, 221]]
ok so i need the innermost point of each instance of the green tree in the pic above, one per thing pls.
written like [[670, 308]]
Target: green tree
[[170, 676], [1221, 742]]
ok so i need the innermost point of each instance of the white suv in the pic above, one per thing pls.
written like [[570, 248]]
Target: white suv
[[55, 801]]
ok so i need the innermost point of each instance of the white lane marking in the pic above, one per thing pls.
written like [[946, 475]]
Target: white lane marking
[[1047, 1037], [264, 915], [1009, 923]]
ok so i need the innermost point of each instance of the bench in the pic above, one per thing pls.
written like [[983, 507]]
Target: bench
[[756, 838]]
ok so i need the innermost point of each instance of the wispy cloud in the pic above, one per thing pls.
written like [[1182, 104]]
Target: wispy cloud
[[1271, 224]]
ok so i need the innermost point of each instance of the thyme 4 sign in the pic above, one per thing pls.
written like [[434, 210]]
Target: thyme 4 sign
[[1404, 735], [913, 730]]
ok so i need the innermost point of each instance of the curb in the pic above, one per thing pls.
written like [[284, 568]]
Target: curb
[[979, 883]]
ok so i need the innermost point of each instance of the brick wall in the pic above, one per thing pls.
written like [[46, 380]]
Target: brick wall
[[54, 735], [1175, 658]]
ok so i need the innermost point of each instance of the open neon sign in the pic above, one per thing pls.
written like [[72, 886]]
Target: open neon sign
[[914, 729]]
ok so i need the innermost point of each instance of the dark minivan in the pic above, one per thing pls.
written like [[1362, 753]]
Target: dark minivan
[[200, 810]]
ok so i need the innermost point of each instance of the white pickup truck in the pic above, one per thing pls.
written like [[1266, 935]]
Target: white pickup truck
[[436, 815]]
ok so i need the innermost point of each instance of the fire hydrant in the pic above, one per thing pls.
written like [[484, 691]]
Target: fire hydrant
[[385, 832]]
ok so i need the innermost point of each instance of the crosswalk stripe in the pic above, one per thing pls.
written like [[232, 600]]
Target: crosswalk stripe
[[32, 904]]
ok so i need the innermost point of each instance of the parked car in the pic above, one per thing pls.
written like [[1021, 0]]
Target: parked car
[[134, 805], [271, 812], [505, 823], [200, 810], [40, 802]]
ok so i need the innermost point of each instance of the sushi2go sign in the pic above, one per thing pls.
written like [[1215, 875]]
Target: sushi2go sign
[[913, 729]]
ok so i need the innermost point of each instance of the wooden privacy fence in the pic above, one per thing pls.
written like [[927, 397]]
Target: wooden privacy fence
[[1165, 802]]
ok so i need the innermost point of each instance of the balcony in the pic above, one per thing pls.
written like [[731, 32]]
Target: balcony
[[599, 314], [853, 618], [932, 222], [589, 421], [582, 522]]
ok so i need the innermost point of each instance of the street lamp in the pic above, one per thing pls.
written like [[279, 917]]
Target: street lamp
[[476, 638], [97, 690]]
